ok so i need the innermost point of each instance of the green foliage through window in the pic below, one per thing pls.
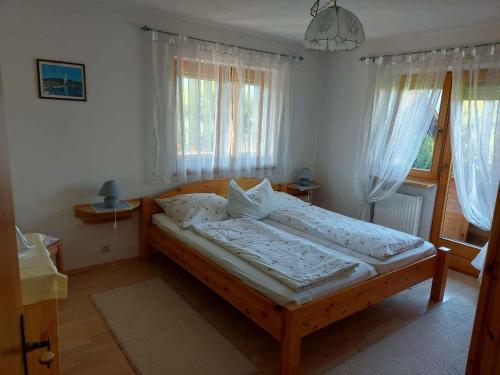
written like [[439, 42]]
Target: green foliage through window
[[424, 158]]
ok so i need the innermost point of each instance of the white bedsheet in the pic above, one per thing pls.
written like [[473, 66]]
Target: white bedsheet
[[265, 284], [381, 266]]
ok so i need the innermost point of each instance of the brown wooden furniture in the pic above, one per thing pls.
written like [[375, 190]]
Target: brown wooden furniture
[[41, 322], [484, 352], [89, 216], [291, 322], [54, 246], [11, 354]]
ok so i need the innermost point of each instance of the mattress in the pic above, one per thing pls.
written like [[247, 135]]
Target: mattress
[[381, 266], [255, 278]]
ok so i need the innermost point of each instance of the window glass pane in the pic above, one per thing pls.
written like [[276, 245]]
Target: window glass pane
[[455, 226], [472, 118], [227, 118], [198, 114], [251, 99], [426, 152], [478, 101]]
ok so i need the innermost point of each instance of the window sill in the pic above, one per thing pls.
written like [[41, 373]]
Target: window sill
[[420, 182]]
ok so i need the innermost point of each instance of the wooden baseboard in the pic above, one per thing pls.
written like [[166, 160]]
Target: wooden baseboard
[[102, 265]]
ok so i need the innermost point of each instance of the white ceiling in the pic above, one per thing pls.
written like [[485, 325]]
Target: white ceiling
[[381, 18]]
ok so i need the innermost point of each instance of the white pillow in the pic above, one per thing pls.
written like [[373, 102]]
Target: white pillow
[[257, 203], [283, 201], [190, 209]]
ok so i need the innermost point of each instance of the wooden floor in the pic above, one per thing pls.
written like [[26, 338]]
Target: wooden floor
[[87, 347]]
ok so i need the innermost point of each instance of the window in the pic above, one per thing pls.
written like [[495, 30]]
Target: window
[[423, 162], [427, 163], [450, 228], [217, 111], [228, 117], [196, 130]]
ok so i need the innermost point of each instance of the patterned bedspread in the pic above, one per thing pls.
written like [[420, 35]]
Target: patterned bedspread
[[293, 261], [357, 235]]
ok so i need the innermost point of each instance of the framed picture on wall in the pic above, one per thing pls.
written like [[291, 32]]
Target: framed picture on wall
[[61, 80]]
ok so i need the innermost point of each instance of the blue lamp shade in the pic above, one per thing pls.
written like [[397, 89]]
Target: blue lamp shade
[[111, 191], [305, 177]]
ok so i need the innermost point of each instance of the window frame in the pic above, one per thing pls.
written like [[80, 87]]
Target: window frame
[[190, 70], [442, 129]]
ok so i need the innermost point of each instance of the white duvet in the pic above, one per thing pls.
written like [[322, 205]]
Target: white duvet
[[293, 261], [366, 238]]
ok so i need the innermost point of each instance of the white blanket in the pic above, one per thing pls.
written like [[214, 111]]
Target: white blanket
[[366, 238], [293, 261]]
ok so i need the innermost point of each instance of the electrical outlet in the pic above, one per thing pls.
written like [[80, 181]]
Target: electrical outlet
[[105, 249]]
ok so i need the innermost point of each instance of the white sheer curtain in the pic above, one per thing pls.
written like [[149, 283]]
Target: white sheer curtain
[[218, 111], [475, 134], [406, 92]]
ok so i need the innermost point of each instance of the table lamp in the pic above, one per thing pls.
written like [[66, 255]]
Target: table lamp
[[305, 177], [111, 193]]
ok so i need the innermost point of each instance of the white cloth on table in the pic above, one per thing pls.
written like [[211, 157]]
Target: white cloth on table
[[40, 279]]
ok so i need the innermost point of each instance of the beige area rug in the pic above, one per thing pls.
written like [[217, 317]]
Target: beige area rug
[[161, 334], [435, 344]]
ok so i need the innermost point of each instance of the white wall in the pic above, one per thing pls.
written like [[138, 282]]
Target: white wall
[[62, 151], [344, 93]]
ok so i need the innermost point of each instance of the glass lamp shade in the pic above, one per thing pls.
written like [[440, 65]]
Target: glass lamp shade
[[334, 29]]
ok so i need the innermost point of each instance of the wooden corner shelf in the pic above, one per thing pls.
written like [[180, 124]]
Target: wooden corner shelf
[[292, 189], [89, 216]]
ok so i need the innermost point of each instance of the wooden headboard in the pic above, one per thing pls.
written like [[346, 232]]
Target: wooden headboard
[[218, 186]]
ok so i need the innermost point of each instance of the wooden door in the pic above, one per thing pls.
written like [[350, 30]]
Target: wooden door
[[11, 356], [462, 252], [484, 352]]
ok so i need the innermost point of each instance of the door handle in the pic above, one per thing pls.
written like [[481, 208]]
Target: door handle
[[46, 358]]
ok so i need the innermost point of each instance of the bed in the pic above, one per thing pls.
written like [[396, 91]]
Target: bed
[[286, 315]]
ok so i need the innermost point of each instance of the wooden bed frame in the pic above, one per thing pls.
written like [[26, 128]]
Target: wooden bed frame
[[289, 323]]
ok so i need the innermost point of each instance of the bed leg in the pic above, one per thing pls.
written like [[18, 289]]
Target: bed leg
[[290, 344], [439, 279]]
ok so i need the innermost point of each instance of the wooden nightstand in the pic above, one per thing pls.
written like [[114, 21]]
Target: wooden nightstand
[[54, 246], [89, 216], [302, 191]]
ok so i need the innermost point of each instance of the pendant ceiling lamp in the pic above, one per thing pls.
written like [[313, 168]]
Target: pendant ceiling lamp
[[333, 28]]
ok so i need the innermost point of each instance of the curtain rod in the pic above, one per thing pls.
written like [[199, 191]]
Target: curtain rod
[[146, 28], [362, 58]]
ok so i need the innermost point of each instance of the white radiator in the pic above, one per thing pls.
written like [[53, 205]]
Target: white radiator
[[401, 212]]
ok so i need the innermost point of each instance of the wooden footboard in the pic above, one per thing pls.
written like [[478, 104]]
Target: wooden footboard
[[289, 323], [302, 320], [250, 302]]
